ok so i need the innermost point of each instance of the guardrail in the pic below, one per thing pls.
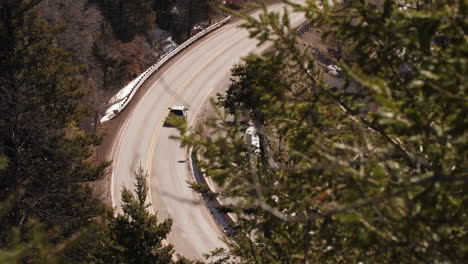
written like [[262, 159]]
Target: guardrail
[[303, 28], [225, 220], [163, 59]]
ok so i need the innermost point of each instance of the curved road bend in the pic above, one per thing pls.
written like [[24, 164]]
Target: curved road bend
[[143, 140]]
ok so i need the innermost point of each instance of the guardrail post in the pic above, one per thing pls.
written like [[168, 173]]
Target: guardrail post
[[163, 59]]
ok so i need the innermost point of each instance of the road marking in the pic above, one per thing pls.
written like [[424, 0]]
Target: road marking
[[127, 121], [150, 154], [179, 91], [126, 125], [156, 133]]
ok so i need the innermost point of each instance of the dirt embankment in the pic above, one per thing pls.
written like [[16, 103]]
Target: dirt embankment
[[106, 64]]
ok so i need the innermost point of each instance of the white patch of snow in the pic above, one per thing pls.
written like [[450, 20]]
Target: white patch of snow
[[275, 198], [165, 40], [168, 45], [118, 99], [254, 139], [334, 70]]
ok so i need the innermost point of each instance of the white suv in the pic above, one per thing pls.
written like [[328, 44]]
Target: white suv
[[179, 110]]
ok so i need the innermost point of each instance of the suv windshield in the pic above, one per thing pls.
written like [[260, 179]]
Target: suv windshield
[[177, 112]]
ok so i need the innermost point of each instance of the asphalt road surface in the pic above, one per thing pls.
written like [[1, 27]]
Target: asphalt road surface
[[143, 140]]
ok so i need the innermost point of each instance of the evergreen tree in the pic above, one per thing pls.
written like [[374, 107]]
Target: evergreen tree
[[37, 249], [373, 175], [137, 232], [48, 155], [135, 236]]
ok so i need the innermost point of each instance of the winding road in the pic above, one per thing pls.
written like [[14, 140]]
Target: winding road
[[189, 80]]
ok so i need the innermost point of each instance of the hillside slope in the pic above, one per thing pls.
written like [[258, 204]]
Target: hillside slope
[[114, 41]]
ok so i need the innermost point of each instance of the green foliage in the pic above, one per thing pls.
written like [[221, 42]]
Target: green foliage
[[248, 85], [203, 189], [376, 175], [37, 248], [135, 236], [3, 162], [137, 230], [48, 156]]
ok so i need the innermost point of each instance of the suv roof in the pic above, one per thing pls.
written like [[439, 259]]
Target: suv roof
[[179, 107]]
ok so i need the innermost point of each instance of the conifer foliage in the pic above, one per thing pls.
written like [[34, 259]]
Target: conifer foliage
[[135, 236], [46, 153], [137, 232], [47, 212], [371, 172]]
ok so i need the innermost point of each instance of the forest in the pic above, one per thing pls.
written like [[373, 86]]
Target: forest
[[373, 174], [112, 42]]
